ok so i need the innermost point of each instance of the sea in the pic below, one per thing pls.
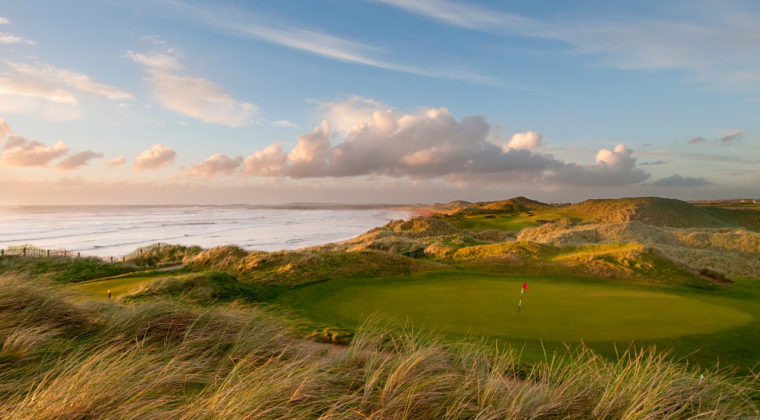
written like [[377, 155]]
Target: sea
[[113, 231]]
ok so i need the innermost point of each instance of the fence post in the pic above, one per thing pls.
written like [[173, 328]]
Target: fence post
[[111, 259], [47, 253], [24, 251], [64, 252], [79, 254], [123, 258]]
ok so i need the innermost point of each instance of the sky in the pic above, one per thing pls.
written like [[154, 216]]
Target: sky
[[377, 101]]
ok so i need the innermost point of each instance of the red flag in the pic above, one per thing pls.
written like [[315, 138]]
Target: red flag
[[525, 286]]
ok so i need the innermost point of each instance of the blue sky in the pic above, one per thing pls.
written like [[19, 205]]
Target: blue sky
[[377, 100]]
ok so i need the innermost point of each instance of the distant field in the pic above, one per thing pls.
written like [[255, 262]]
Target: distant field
[[506, 222], [555, 308]]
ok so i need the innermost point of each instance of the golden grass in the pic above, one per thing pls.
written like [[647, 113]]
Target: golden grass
[[62, 359]]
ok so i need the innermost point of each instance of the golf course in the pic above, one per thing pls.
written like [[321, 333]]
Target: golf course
[[613, 307], [554, 308]]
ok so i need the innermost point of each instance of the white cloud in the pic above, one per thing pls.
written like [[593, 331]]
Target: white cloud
[[192, 96], [528, 140], [10, 87], [310, 155], [22, 152], [38, 100], [78, 159], [71, 79], [284, 123], [351, 113], [716, 41], [267, 162], [156, 157], [326, 45], [5, 130], [217, 164], [8, 38], [113, 163], [3, 21], [382, 142], [154, 39], [156, 60], [465, 15], [615, 167]]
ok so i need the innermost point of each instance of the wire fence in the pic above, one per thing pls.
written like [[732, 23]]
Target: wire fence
[[37, 252]]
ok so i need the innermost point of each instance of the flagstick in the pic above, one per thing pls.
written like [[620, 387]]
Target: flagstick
[[519, 305]]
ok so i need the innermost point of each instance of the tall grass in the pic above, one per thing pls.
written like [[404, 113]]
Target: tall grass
[[63, 359]]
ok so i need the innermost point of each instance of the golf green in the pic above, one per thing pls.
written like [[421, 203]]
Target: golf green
[[554, 307]]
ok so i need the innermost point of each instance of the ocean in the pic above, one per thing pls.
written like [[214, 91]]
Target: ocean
[[117, 230]]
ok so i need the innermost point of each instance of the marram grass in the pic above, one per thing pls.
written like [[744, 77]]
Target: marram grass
[[67, 360]]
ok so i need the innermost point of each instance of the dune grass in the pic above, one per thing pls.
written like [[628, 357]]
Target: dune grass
[[62, 359], [63, 269]]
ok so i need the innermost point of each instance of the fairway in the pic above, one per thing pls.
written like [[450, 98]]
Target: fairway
[[118, 285], [554, 308]]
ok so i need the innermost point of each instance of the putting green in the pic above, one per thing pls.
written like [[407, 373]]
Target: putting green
[[554, 307]]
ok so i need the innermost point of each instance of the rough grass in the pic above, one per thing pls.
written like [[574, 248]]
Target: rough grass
[[63, 269], [65, 360], [731, 251], [629, 261], [306, 266], [206, 288], [164, 255]]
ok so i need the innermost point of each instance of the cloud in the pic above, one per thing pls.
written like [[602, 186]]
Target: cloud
[[38, 100], [192, 96], [156, 157], [310, 155], [656, 162], [217, 164], [19, 151], [733, 135], [677, 180], [68, 78], [465, 15], [10, 87], [284, 123], [697, 140], [78, 159], [3, 21], [8, 38], [5, 130], [351, 113], [113, 163], [267, 162], [715, 41], [375, 140], [525, 141], [383, 142], [156, 61], [326, 45], [615, 167], [153, 38]]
